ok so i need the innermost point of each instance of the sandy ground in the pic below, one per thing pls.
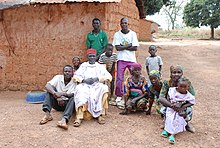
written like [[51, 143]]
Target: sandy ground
[[201, 59]]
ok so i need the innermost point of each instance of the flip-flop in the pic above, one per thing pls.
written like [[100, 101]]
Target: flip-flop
[[45, 119], [77, 123], [172, 139], [164, 134], [101, 120], [62, 124]]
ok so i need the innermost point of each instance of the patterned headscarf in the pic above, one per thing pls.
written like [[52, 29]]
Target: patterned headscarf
[[155, 73], [176, 67]]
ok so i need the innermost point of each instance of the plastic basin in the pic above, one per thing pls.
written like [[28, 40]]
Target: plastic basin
[[36, 96]]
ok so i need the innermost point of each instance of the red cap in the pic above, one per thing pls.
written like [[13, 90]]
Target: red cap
[[91, 51]]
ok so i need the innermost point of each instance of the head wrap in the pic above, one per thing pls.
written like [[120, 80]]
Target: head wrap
[[155, 73], [136, 65], [76, 57], [176, 67], [91, 51]]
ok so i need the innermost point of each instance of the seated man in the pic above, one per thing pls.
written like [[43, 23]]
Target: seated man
[[60, 97], [91, 94]]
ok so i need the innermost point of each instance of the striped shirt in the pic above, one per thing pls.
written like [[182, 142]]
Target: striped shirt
[[108, 60]]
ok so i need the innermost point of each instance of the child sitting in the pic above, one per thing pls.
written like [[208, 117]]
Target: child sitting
[[135, 91], [153, 62], [154, 90], [180, 99], [109, 59]]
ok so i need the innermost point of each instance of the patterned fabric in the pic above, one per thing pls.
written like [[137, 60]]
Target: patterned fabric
[[141, 85], [164, 93], [133, 90], [109, 61], [155, 73], [139, 105], [168, 84], [153, 94]]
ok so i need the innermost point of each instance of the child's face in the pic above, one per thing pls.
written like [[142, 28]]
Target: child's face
[[109, 51], [154, 80], [76, 62], [136, 71], [152, 51], [182, 87]]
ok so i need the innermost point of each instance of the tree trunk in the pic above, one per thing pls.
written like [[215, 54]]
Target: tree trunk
[[173, 24], [212, 33]]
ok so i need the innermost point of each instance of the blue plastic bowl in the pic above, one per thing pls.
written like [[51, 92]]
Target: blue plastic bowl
[[35, 97]]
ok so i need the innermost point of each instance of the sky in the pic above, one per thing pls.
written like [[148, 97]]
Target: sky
[[161, 17]]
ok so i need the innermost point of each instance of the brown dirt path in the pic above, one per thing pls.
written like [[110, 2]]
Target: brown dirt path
[[201, 59]]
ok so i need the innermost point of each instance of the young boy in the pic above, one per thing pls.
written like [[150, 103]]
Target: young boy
[[109, 58], [153, 62]]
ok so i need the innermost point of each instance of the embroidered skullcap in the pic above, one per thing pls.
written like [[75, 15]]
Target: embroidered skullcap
[[91, 51], [155, 73]]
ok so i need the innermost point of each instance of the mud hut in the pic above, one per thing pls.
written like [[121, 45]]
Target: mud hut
[[38, 37]]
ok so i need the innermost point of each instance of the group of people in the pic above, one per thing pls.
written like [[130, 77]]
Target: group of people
[[88, 88]]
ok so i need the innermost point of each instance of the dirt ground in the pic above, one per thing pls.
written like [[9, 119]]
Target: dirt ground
[[201, 61]]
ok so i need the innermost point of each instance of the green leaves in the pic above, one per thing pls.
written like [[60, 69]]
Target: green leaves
[[153, 6], [202, 13]]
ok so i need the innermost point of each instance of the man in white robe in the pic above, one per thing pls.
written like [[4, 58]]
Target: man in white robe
[[91, 94]]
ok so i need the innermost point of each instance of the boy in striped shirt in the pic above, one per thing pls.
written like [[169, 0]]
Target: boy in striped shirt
[[109, 59]]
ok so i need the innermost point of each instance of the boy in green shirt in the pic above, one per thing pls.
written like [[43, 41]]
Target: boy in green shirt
[[97, 39]]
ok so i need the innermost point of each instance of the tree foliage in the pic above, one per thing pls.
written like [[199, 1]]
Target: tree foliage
[[153, 6], [202, 13]]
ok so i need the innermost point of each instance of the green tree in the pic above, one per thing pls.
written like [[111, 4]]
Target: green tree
[[153, 6], [199, 13]]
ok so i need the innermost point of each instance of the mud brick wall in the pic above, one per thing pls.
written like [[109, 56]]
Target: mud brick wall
[[116, 11], [36, 41], [145, 30]]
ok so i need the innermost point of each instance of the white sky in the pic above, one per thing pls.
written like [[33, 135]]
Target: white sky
[[161, 19]]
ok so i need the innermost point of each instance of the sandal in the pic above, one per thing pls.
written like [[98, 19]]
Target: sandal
[[125, 112], [101, 120], [164, 134], [62, 124], [45, 119], [77, 123], [171, 139]]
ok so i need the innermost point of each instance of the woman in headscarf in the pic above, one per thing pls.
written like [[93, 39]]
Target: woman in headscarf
[[135, 91], [176, 74], [154, 90], [76, 63]]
